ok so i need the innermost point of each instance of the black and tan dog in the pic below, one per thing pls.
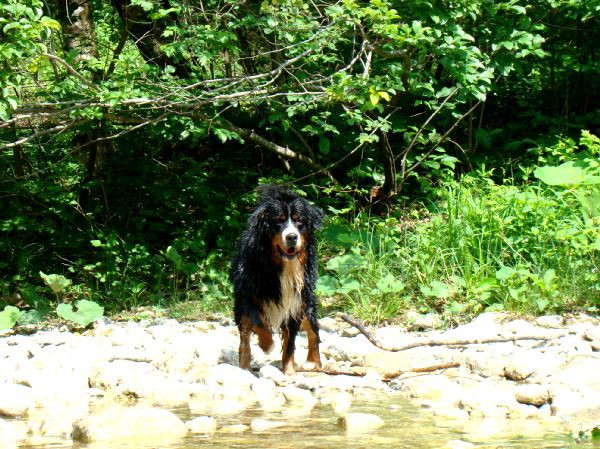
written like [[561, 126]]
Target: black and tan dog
[[274, 273]]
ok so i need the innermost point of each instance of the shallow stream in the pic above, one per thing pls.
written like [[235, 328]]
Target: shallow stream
[[406, 426]]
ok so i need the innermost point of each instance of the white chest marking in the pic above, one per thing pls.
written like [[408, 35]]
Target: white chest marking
[[291, 280]]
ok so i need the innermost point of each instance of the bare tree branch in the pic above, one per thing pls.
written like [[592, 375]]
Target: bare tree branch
[[286, 152], [436, 342]]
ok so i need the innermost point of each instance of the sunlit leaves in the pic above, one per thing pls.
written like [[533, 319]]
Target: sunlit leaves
[[84, 312]]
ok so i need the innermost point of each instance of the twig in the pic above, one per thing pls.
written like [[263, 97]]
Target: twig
[[278, 149], [386, 376], [423, 369], [71, 70], [448, 342]]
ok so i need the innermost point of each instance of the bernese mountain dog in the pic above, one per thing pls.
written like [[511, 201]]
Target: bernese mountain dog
[[274, 273]]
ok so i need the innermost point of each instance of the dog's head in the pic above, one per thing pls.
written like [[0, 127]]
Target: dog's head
[[286, 220]]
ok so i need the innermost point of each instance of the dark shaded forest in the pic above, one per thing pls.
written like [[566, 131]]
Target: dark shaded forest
[[452, 145]]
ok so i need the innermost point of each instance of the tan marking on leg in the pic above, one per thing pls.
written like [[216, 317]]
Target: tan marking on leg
[[313, 359], [245, 328], [265, 337]]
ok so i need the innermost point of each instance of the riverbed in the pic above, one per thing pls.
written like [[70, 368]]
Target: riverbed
[[165, 384]]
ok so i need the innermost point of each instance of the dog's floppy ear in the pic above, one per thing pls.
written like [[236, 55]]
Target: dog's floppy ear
[[258, 221]]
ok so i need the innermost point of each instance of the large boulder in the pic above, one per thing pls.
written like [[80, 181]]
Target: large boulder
[[129, 423], [15, 400]]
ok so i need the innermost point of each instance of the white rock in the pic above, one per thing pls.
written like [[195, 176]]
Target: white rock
[[52, 422], [485, 325], [266, 393], [299, 396], [550, 321], [341, 402], [489, 400], [428, 321], [202, 424], [231, 377], [523, 363], [273, 373], [260, 425], [521, 328], [487, 364], [15, 400], [140, 379], [10, 434], [429, 387], [533, 394], [593, 334], [582, 371], [129, 423], [360, 422]]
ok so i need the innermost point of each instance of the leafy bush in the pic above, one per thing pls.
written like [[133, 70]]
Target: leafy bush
[[529, 248]]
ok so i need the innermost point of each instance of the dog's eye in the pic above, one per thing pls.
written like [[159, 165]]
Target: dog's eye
[[281, 218]]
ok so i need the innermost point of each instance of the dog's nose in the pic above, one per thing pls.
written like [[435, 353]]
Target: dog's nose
[[291, 238]]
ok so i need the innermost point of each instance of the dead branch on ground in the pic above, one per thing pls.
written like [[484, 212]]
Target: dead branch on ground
[[442, 342]]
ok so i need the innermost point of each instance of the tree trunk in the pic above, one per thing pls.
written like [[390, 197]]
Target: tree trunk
[[76, 18], [146, 33]]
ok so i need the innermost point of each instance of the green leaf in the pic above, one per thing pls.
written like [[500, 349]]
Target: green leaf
[[180, 262], [58, 283], [567, 174], [437, 289], [349, 285], [37, 302], [345, 264], [174, 256], [86, 313], [504, 273], [31, 316], [9, 317], [485, 285], [324, 145], [389, 284], [327, 285], [483, 138], [549, 277]]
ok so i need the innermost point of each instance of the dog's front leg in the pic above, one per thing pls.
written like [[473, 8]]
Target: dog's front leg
[[288, 334], [245, 328], [313, 359]]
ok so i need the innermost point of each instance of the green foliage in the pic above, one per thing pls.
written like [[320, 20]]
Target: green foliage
[[530, 248], [128, 155], [8, 317], [23, 30], [57, 283], [86, 313]]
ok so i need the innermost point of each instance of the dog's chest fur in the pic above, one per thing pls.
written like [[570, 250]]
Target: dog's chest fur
[[291, 282]]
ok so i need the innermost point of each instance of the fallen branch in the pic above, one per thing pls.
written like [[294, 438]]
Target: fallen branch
[[423, 369], [435, 342], [285, 152]]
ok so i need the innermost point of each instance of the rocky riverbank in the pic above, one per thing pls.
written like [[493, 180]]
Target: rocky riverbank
[[120, 380]]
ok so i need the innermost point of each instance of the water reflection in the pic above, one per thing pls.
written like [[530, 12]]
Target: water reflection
[[406, 426]]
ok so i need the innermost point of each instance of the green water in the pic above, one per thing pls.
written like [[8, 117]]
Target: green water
[[406, 426]]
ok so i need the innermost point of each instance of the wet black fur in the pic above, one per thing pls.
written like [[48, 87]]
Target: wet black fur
[[253, 273]]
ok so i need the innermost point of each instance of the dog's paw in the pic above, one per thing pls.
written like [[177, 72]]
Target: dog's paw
[[268, 348], [311, 366]]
